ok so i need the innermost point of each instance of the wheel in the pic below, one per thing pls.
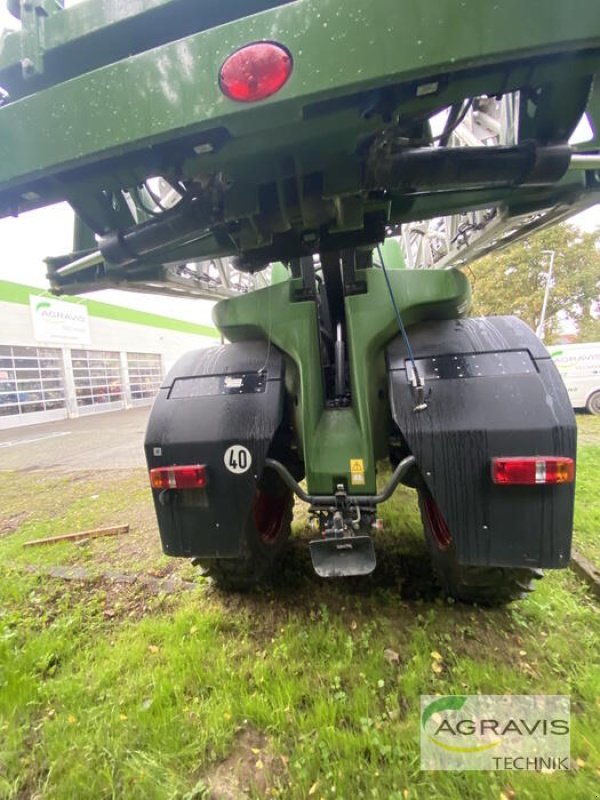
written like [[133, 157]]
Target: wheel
[[265, 537], [488, 586], [593, 403]]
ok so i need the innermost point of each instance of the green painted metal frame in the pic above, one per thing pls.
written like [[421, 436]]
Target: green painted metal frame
[[330, 438], [92, 34], [103, 120], [136, 104]]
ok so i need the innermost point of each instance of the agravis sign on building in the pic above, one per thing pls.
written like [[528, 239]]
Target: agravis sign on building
[[59, 322]]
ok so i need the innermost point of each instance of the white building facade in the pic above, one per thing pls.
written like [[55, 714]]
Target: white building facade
[[68, 357]]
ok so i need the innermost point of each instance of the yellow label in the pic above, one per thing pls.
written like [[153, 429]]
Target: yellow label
[[357, 465], [358, 478]]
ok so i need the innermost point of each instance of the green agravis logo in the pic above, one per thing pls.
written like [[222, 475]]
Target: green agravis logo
[[445, 704], [47, 311]]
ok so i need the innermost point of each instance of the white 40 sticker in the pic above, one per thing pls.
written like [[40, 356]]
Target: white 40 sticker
[[238, 459]]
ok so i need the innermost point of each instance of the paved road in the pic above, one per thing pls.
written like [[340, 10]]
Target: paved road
[[112, 440]]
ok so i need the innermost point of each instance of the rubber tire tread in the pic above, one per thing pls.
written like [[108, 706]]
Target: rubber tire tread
[[485, 586], [258, 560]]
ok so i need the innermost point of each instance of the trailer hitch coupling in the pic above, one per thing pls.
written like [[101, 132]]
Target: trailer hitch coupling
[[345, 548]]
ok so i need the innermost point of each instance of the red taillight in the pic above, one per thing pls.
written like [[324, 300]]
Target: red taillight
[[532, 470], [255, 72], [188, 477]]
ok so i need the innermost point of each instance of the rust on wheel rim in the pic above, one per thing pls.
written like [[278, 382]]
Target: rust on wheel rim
[[268, 511]]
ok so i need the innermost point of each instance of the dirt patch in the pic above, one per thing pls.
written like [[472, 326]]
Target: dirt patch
[[140, 548], [120, 600], [115, 595], [250, 769], [476, 631], [402, 566], [11, 524]]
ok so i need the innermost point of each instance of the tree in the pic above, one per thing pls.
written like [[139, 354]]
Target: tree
[[513, 281], [589, 330]]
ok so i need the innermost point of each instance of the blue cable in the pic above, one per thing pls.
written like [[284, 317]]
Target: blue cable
[[409, 349]]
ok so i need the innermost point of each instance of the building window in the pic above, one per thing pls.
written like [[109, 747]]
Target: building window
[[145, 375], [31, 379], [97, 377]]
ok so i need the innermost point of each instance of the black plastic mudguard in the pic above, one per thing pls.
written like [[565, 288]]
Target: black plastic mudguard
[[491, 390], [212, 400]]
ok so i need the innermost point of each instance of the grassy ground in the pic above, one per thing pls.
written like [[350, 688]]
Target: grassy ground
[[309, 689], [586, 534]]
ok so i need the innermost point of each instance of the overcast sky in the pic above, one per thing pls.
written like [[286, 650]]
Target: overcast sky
[[26, 241]]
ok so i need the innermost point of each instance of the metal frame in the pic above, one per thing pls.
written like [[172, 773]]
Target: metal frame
[[457, 239], [208, 280], [70, 131]]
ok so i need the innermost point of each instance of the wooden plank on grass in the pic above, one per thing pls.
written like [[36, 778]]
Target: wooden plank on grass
[[583, 567], [116, 530]]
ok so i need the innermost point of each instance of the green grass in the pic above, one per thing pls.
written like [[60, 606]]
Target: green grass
[[586, 533], [110, 691]]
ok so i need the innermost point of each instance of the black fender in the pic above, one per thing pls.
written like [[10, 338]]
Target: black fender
[[491, 390], [211, 400]]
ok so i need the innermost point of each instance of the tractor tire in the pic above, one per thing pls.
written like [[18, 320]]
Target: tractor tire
[[485, 586], [593, 404], [265, 538]]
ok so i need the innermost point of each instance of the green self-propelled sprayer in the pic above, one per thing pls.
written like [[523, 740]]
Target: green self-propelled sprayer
[[274, 155]]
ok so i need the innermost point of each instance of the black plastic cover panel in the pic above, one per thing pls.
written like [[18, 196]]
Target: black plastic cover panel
[[513, 403], [213, 400]]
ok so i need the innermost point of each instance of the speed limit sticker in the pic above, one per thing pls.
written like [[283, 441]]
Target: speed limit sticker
[[238, 459]]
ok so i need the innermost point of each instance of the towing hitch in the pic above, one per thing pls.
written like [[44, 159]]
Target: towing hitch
[[345, 547]]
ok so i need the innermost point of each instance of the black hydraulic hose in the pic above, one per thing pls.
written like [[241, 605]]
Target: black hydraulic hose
[[455, 118], [331, 500]]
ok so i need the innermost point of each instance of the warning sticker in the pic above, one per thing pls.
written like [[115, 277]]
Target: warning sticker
[[357, 471]]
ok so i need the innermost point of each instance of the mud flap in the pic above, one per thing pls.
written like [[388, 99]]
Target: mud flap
[[219, 407], [340, 557], [491, 389]]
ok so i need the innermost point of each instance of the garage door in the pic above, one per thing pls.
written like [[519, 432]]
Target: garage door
[[32, 387]]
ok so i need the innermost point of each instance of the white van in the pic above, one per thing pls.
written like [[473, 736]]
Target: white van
[[579, 365]]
